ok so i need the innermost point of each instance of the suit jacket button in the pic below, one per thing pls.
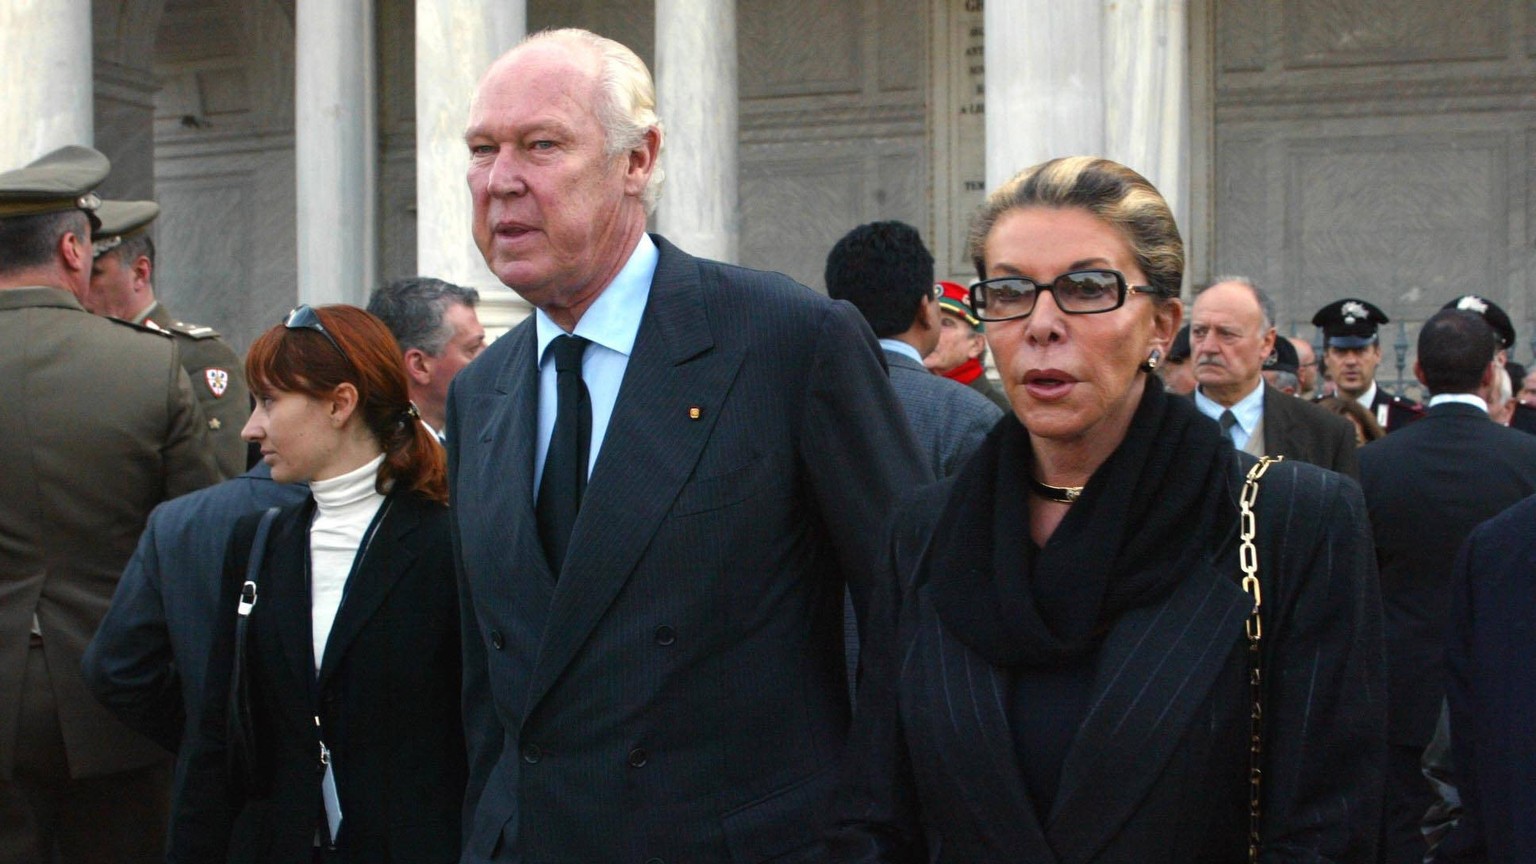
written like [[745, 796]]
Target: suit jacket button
[[532, 754], [496, 641], [665, 635], [638, 757]]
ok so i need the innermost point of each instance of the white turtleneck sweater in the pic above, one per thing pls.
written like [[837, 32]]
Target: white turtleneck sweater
[[344, 508]]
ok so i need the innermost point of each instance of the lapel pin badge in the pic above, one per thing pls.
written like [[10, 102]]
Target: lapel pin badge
[[695, 412]]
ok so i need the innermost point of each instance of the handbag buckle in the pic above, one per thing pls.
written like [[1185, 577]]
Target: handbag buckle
[[247, 598]]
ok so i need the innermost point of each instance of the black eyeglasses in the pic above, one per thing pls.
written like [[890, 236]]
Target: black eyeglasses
[[1080, 292], [304, 317]]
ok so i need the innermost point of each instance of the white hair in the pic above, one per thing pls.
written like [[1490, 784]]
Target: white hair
[[626, 105]]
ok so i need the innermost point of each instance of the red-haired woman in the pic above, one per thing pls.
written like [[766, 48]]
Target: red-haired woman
[[352, 647]]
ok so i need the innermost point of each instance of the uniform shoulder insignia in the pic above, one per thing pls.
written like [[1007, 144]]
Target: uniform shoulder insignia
[[193, 331], [146, 327]]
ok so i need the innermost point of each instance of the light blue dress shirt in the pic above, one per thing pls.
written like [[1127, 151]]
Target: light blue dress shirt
[[901, 348], [1249, 411], [611, 324]]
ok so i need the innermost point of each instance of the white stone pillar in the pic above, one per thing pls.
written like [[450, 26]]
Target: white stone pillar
[[336, 143], [1147, 93], [1107, 78], [1045, 83], [45, 62], [456, 41], [697, 101]]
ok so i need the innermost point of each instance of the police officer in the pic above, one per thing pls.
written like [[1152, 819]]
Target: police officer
[[122, 286], [98, 425], [1352, 350], [1524, 416]]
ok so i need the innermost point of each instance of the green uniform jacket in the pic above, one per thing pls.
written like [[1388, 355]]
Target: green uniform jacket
[[98, 424], [218, 379]]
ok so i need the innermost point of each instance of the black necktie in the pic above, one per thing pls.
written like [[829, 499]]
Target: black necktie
[[565, 465], [1228, 420]]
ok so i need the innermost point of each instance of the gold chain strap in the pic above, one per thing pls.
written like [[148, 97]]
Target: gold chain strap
[[1248, 558]]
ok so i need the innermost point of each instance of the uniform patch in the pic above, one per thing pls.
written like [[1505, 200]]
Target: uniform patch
[[218, 381]]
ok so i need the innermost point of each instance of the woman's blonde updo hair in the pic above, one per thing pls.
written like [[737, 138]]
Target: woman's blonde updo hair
[[1108, 190]]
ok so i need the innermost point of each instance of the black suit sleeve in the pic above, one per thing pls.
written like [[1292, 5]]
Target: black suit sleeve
[[1324, 671], [205, 812], [1464, 842], [856, 445], [129, 665]]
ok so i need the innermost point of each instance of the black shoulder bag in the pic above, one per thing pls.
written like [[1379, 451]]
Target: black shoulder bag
[[240, 729]]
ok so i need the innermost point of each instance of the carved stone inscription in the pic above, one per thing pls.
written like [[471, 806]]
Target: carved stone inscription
[[960, 131]]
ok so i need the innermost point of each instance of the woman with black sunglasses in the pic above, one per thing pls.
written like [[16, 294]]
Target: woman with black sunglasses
[[344, 740], [1104, 645]]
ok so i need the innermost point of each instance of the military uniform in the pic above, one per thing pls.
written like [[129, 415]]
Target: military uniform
[[218, 379], [1352, 323], [216, 373], [98, 424]]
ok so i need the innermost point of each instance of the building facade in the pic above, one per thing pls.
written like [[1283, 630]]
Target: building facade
[[306, 149]]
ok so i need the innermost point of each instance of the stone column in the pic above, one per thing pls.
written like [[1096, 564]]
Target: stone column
[[45, 62], [456, 40], [1045, 83], [1100, 79], [1147, 92], [336, 144], [697, 100]]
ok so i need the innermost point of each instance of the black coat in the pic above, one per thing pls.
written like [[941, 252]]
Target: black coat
[[1158, 769], [387, 696], [1427, 486]]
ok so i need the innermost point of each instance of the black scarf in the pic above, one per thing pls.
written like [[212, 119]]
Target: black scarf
[[1153, 509]]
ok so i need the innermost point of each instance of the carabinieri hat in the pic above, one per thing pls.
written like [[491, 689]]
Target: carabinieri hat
[[59, 181], [122, 220], [1497, 318], [1349, 323]]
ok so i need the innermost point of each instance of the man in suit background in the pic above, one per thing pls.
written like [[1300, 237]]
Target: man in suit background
[[886, 272], [1426, 487], [148, 659], [439, 334], [99, 425], [123, 286], [1491, 691], [662, 481], [1231, 333]]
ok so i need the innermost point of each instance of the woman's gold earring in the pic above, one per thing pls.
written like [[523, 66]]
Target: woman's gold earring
[[1150, 364]]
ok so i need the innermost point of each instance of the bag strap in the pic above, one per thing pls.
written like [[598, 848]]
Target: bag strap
[[1248, 559], [248, 602]]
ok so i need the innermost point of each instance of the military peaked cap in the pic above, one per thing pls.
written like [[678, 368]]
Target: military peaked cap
[[60, 181]]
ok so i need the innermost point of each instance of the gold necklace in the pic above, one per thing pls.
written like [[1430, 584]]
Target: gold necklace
[[1059, 494]]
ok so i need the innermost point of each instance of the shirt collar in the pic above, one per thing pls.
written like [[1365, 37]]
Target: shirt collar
[[1368, 398], [1472, 399], [613, 319], [1248, 410], [901, 348]]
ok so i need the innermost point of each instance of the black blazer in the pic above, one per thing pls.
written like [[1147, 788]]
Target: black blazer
[[679, 693], [387, 696], [1492, 691], [1427, 486], [1158, 769]]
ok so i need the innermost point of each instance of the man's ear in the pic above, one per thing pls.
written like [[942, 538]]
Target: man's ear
[[77, 255], [641, 162], [418, 365], [143, 271], [1418, 372], [978, 345]]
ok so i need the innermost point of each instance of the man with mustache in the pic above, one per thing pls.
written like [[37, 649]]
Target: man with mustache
[[1231, 332]]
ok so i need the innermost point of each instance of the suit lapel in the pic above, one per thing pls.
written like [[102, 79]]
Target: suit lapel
[[653, 441], [963, 699], [385, 560], [1157, 667]]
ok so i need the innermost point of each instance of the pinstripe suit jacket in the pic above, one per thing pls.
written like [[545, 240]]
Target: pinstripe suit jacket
[[948, 419], [679, 694], [1157, 770]]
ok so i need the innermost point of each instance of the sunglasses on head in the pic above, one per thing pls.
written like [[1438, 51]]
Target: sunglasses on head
[[304, 317]]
